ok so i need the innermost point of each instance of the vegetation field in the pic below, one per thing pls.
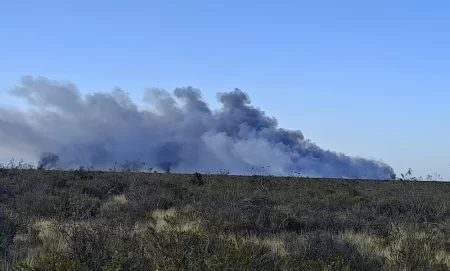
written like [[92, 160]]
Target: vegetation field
[[111, 221]]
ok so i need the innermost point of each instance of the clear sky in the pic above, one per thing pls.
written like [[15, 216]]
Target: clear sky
[[367, 78]]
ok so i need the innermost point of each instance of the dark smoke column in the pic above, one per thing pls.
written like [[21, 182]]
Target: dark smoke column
[[175, 132]]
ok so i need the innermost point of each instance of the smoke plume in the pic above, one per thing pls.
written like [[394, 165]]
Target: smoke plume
[[176, 132]]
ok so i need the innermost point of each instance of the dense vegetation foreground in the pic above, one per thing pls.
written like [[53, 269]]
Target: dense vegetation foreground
[[82, 220]]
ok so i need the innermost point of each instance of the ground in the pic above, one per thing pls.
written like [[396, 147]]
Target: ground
[[87, 220]]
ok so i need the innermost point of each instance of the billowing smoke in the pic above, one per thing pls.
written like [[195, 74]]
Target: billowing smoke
[[48, 160], [173, 132]]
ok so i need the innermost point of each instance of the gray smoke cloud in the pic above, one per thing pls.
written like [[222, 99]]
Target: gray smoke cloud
[[176, 132]]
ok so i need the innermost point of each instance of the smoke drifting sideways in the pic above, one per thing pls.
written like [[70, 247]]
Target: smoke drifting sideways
[[175, 132]]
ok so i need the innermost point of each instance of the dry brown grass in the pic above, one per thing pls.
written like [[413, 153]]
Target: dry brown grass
[[97, 220]]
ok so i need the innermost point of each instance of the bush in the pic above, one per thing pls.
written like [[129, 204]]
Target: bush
[[8, 228], [134, 221]]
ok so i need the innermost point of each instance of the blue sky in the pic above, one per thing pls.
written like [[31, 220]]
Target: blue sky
[[367, 78]]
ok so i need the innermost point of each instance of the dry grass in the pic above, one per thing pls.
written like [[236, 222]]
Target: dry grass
[[394, 250], [275, 243], [160, 217], [120, 199], [366, 243], [126, 221]]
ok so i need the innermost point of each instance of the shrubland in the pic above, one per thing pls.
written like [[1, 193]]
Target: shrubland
[[121, 220]]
